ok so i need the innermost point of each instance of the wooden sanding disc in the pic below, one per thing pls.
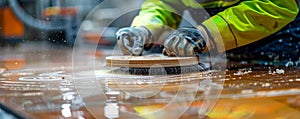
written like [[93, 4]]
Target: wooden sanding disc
[[149, 61]]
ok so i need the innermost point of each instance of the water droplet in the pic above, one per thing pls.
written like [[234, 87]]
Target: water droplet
[[247, 91], [279, 71]]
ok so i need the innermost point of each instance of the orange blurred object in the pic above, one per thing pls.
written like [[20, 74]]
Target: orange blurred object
[[99, 54], [65, 11], [11, 26], [13, 63]]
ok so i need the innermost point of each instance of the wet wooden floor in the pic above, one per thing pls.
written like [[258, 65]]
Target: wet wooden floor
[[43, 81]]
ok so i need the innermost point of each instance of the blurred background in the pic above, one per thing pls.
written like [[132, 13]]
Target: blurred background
[[57, 20]]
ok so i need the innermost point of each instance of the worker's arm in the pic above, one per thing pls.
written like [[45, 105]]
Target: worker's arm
[[247, 22], [250, 21], [159, 16], [155, 18]]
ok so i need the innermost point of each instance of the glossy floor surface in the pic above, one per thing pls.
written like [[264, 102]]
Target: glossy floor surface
[[42, 80]]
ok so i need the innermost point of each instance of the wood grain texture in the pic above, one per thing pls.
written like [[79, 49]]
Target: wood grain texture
[[149, 61]]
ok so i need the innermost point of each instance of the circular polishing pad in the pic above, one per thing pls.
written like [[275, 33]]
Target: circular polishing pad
[[149, 61]]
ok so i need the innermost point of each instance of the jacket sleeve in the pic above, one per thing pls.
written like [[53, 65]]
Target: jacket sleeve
[[159, 16], [250, 21]]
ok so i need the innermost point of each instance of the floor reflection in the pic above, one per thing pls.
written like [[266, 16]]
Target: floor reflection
[[42, 84]]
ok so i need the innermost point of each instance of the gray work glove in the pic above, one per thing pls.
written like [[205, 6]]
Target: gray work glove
[[133, 40], [186, 42]]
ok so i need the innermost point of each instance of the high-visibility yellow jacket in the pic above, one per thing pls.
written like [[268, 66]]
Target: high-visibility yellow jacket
[[244, 22]]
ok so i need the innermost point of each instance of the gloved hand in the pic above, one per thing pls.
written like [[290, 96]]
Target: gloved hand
[[132, 40], [186, 42]]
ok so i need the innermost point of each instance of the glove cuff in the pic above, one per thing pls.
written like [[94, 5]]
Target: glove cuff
[[209, 40], [148, 41]]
